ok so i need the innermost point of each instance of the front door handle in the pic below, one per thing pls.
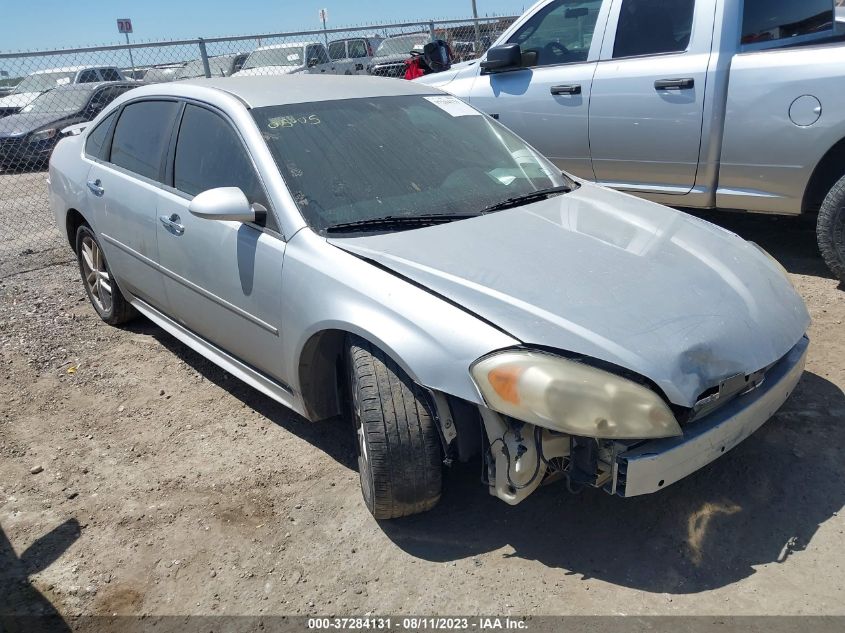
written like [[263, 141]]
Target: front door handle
[[95, 187], [172, 223], [572, 89], [674, 84]]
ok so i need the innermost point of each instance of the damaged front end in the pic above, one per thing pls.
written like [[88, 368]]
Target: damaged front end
[[521, 455]]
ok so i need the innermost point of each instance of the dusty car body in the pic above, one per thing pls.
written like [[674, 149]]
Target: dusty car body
[[567, 329]]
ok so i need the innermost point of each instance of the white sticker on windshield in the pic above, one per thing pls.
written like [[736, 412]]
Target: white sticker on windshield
[[61, 81], [453, 106], [293, 57]]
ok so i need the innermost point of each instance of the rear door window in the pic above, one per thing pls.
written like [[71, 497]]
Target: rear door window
[[110, 74], [337, 50], [88, 76], [653, 27], [142, 136], [357, 48], [770, 20]]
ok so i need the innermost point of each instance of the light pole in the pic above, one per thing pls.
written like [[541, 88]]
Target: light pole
[[477, 31]]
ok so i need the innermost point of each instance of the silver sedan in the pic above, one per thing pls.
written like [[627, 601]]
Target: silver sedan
[[379, 250]]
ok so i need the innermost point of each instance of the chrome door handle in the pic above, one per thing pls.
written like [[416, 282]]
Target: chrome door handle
[[94, 186], [172, 223]]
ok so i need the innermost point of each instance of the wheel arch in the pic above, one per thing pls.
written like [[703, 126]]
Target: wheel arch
[[828, 171], [73, 220]]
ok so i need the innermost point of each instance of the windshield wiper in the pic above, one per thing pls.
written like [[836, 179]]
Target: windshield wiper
[[398, 222], [518, 201]]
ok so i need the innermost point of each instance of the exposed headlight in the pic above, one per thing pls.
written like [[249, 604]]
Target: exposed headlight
[[571, 397], [43, 135]]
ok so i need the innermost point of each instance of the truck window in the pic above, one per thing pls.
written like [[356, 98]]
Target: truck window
[[769, 20], [337, 50], [560, 32], [652, 27], [357, 48]]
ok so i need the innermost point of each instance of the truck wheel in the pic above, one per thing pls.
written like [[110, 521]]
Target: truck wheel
[[830, 230], [100, 286], [398, 445]]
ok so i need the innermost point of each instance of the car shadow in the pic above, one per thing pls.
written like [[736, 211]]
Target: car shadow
[[754, 506], [22, 606], [334, 437], [790, 240]]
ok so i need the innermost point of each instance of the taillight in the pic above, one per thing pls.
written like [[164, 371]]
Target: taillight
[[369, 49]]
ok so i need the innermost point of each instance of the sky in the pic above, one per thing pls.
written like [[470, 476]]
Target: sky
[[50, 24]]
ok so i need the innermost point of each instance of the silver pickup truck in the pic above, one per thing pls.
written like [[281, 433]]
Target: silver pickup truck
[[728, 104]]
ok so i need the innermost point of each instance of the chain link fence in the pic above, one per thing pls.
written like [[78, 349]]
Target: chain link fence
[[45, 92]]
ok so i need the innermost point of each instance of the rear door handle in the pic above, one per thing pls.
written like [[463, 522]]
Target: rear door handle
[[172, 223], [94, 186], [675, 84], [573, 89]]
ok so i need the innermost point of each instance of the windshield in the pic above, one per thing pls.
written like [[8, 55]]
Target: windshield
[[285, 56], [44, 81], [401, 45], [353, 160], [63, 101]]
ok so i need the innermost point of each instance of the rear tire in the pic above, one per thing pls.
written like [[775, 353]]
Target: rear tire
[[830, 229], [399, 458], [102, 290]]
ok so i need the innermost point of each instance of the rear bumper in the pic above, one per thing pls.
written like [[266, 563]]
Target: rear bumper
[[656, 464]]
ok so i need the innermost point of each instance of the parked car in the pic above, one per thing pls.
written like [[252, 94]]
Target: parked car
[[391, 54], [42, 80], [353, 56], [219, 65], [698, 109], [454, 294], [27, 139], [288, 59]]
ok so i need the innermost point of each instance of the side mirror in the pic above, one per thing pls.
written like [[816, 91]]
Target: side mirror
[[502, 58], [313, 62], [223, 203]]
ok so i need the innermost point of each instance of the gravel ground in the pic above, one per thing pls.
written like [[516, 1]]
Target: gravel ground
[[137, 478]]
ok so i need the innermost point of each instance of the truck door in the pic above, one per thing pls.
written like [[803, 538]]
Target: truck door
[[547, 101], [647, 101]]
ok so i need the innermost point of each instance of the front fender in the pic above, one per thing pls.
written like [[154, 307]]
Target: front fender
[[327, 289]]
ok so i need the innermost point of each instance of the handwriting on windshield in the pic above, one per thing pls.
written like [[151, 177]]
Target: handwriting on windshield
[[292, 121]]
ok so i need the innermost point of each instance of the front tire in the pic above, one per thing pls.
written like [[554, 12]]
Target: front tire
[[399, 459], [830, 229], [102, 291]]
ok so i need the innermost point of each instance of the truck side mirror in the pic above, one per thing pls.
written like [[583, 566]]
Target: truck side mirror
[[502, 58], [313, 62]]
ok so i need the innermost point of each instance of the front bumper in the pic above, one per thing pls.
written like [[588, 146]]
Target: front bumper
[[656, 464]]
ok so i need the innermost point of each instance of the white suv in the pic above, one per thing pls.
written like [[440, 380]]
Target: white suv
[[288, 59], [353, 56], [43, 80]]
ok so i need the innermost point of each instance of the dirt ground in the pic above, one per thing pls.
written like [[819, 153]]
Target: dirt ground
[[167, 487]]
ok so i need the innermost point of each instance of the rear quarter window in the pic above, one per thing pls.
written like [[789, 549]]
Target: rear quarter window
[[95, 144], [142, 135]]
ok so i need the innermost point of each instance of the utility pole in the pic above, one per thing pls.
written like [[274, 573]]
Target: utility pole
[[477, 30], [324, 14]]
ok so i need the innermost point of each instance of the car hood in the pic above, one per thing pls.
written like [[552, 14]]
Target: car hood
[[613, 277], [442, 78], [25, 122], [18, 100]]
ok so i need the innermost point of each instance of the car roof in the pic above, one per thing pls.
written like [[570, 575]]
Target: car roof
[[91, 86], [271, 47], [68, 69], [261, 91]]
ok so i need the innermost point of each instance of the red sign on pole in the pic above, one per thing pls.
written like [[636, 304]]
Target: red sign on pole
[[124, 25]]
